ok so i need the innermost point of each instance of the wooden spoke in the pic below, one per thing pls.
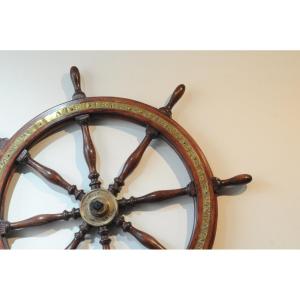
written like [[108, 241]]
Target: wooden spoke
[[6, 227], [79, 236], [89, 151], [133, 161], [177, 94], [143, 237], [49, 174], [158, 196], [219, 184], [105, 240]]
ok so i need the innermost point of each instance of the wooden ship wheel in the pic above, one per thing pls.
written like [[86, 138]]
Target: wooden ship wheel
[[101, 208]]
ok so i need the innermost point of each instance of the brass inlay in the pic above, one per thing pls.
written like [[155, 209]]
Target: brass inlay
[[103, 105]]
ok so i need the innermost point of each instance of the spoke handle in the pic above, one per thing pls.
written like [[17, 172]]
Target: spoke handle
[[241, 179], [175, 97], [75, 77]]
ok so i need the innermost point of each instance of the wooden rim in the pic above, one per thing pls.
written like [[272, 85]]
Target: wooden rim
[[206, 205]]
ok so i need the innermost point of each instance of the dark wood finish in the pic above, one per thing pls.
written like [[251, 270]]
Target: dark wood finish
[[79, 236], [144, 238], [139, 119], [104, 237], [158, 196], [89, 151], [75, 77], [4, 228], [175, 97], [219, 184], [133, 161], [157, 121], [38, 220], [49, 174]]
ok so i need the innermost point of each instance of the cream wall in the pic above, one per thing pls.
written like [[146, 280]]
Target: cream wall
[[241, 107]]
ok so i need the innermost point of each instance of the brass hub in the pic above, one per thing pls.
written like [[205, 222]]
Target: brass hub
[[98, 207]]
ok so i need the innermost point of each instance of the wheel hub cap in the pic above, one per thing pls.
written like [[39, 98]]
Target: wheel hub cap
[[98, 207]]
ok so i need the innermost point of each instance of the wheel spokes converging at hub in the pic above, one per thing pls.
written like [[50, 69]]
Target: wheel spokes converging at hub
[[99, 210], [95, 205]]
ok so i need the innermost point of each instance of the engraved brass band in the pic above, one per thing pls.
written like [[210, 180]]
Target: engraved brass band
[[82, 107]]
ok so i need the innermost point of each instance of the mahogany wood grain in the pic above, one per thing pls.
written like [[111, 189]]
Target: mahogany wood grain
[[144, 238], [89, 151], [44, 219], [133, 161], [79, 236], [158, 196], [49, 174]]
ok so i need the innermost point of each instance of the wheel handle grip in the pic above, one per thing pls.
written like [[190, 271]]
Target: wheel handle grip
[[233, 181], [75, 77]]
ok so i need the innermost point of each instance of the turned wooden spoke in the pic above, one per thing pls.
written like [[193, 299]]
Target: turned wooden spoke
[[79, 236], [133, 161], [144, 238], [49, 174], [158, 196], [104, 237], [89, 151], [40, 220]]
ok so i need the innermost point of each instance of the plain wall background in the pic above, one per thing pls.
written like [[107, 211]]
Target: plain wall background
[[241, 107]]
